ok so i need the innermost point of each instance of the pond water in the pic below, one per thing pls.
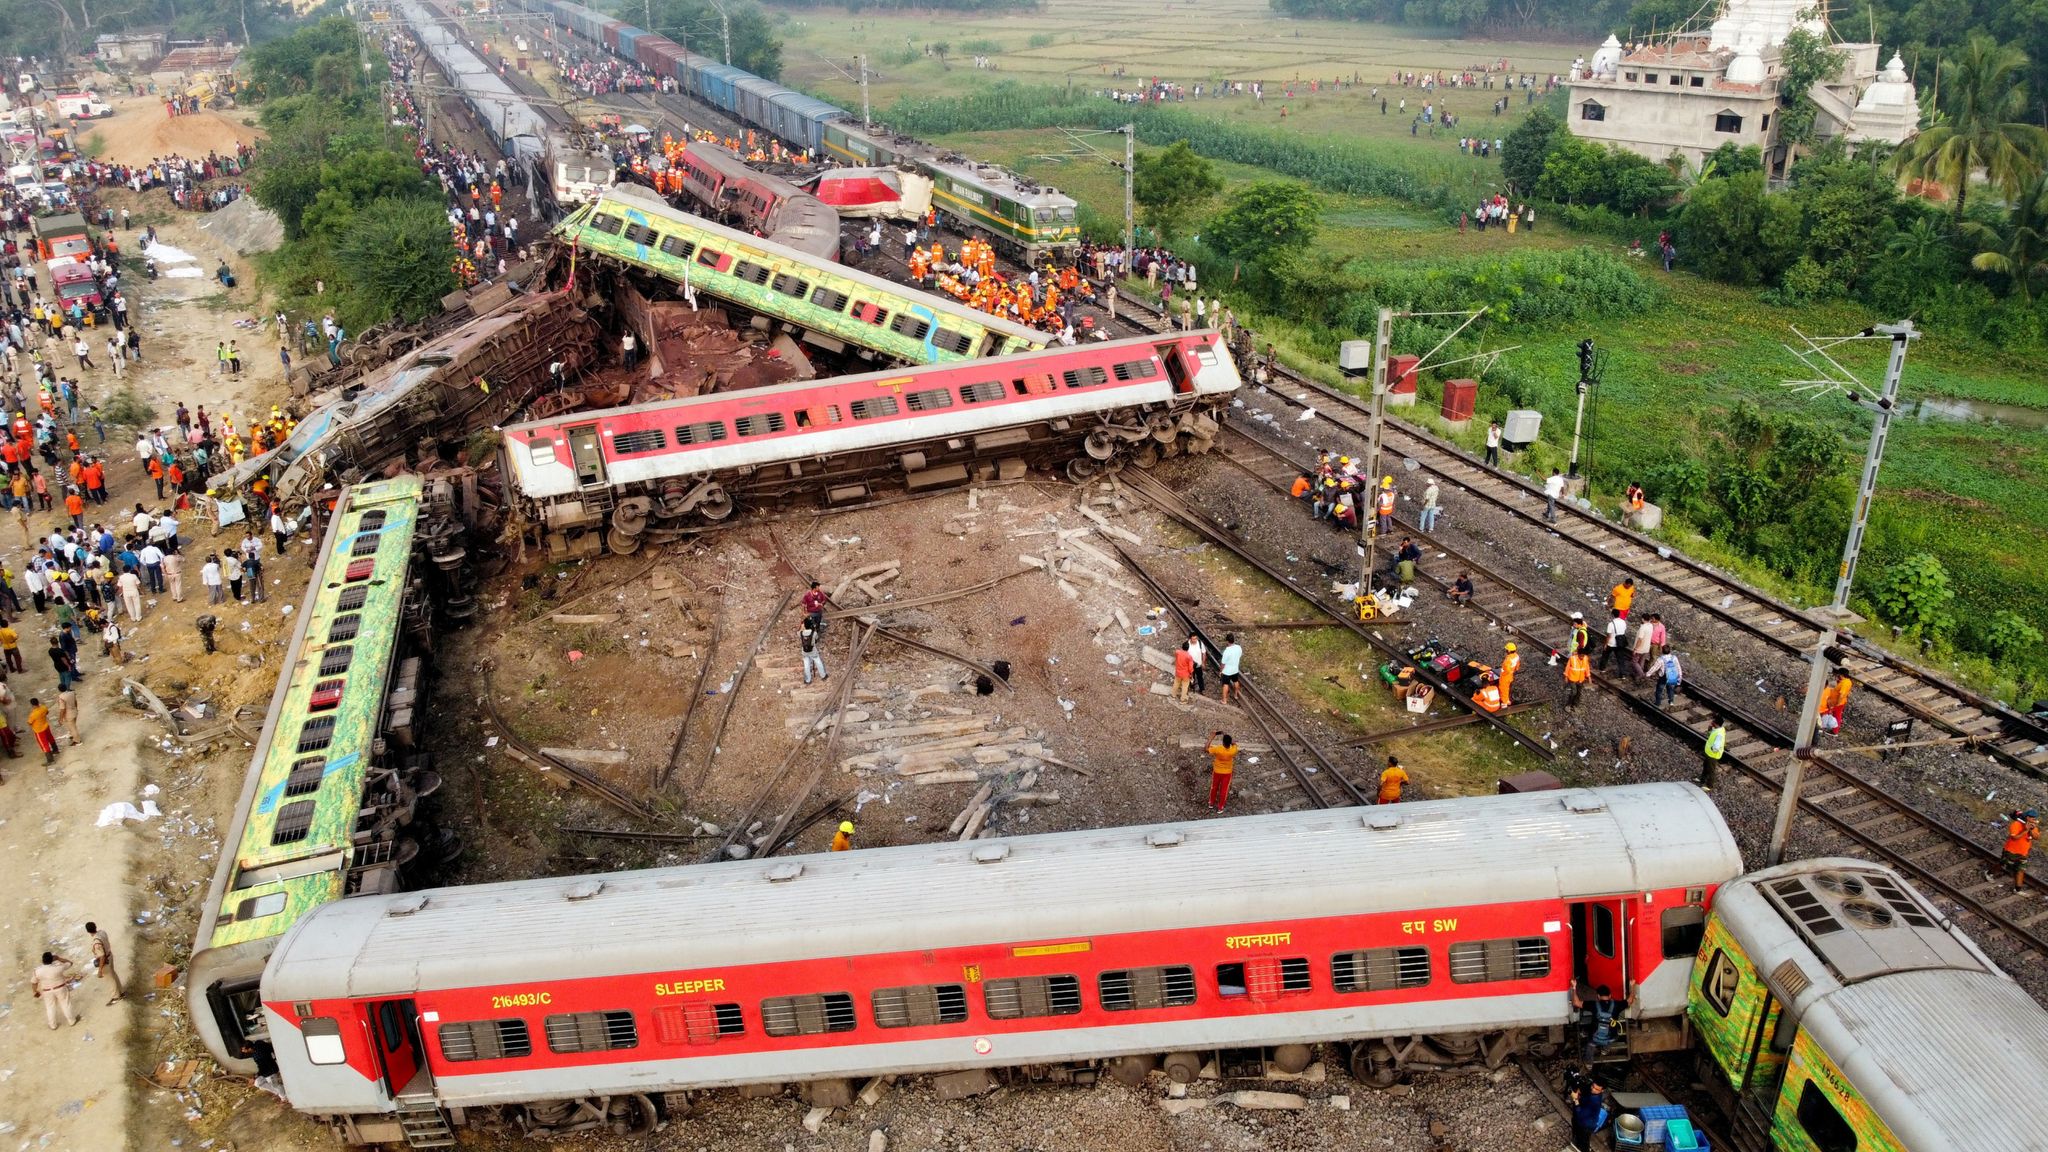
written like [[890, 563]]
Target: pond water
[[1977, 412]]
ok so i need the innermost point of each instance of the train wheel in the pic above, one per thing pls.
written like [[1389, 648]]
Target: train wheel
[[1293, 1058], [1373, 1065], [622, 543], [1080, 468], [633, 1115], [1163, 426], [1182, 1067], [1170, 449], [1197, 445], [1146, 456], [1132, 1070], [717, 504], [1100, 445]]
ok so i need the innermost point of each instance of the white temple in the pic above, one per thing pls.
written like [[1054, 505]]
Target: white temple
[[1693, 91]]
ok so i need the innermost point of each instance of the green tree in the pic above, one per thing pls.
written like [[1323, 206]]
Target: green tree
[[287, 65], [1574, 172], [1731, 160], [1264, 220], [1984, 107], [1734, 231], [398, 259], [357, 180], [1634, 183], [1914, 594], [1807, 60], [1171, 184], [699, 26], [2008, 635], [1525, 149], [2019, 250]]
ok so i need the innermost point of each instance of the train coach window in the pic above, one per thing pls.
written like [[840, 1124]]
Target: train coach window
[[874, 406], [344, 628], [335, 661], [819, 416], [256, 908], [708, 258], [352, 599], [1125, 989], [930, 400], [829, 300], [371, 521], [607, 223], [326, 695], [947, 340], [705, 433], [366, 544], [1719, 978], [1136, 369], [872, 313], [983, 393], [591, 1031], [323, 1040], [1026, 996], [677, 247], [484, 1040], [791, 286], [1486, 961], [541, 451], [697, 1023], [1823, 1121], [643, 440], [1684, 928], [807, 1015], [1084, 376], [1036, 384], [911, 326], [1380, 969], [638, 234], [316, 734], [306, 776], [760, 424], [1603, 930], [750, 272], [1263, 979], [294, 822], [919, 1005]]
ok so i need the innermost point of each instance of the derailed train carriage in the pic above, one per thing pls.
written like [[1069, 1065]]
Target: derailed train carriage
[[678, 465]]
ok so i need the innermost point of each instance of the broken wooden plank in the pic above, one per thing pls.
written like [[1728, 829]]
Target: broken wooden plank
[[585, 618], [588, 755]]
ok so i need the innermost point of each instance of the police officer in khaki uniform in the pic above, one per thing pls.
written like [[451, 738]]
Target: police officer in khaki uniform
[[103, 959], [52, 984]]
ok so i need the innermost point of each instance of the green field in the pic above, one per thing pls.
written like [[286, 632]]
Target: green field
[[1973, 492]]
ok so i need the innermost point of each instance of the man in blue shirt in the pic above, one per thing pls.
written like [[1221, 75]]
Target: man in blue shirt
[[1233, 655], [1589, 1113]]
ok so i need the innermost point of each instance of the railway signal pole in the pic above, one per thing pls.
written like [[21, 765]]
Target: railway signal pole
[[1832, 376], [1130, 132]]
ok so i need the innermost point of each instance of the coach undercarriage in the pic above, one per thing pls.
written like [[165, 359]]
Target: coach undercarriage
[[625, 515]]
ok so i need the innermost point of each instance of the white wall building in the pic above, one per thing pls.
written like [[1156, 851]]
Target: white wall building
[[1692, 92]]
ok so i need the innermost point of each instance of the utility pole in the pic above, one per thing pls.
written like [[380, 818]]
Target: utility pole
[[1900, 334], [867, 119], [725, 30], [1130, 193], [1348, 356]]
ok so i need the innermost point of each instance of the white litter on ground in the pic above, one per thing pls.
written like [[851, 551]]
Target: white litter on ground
[[166, 254]]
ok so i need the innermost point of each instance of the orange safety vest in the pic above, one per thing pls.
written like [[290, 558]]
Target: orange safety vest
[[1578, 669], [1511, 665], [1386, 502], [1301, 487], [2019, 837], [1488, 697]]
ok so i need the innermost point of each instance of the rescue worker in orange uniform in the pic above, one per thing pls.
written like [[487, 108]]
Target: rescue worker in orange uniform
[[1222, 761], [1391, 779], [1509, 665], [1623, 595], [842, 840], [1578, 668], [2021, 830]]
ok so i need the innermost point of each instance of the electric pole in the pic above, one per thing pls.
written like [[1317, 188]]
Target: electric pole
[[1348, 355], [867, 120], [1901, 335], [1130, 132]]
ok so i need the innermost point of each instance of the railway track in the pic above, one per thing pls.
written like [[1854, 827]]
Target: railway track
[[2009, 737], [1938, 857]]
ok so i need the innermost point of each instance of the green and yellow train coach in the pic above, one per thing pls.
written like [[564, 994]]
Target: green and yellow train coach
[[320, 811], [822, 303], [1841, 1011], [1027, 221]]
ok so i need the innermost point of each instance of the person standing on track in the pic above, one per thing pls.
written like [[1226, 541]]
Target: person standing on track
[[1553, 491], [2021, 830], [1589, 1113], [1623, 595], [1670, 678], [1199, 653], [1493, 444], [1383, 507], [1510, 664], [1710, 754], [1392, 777], [1611, 652], [1183, 672], [1425, 522], [1232, 660], [1222, 762]]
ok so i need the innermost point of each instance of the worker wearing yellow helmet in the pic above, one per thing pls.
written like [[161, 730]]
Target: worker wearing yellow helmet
[[1509, 665], [843, 839]]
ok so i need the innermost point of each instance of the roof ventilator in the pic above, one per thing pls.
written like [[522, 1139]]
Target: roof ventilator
[[1584, 803], [781, 872], [990, 853], [584, 891], [405, 905], [1382, 821], [1164, 838]]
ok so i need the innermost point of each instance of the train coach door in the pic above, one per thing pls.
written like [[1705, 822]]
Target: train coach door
[[1600, 945], [587, 455], [395, 1027], [1176, 368]]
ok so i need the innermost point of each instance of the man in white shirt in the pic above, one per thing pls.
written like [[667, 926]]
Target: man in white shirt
[[1493, 444], [1553, 490], [1617, 637]]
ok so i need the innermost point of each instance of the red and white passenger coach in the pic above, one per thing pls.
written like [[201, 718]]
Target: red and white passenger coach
[[1408, 935], [676, 464]]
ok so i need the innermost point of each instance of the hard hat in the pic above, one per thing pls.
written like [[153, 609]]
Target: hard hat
[[1343, 459], [1386, 481], [846, 826], [1578, 615], [2029, 813], [1511, 646]]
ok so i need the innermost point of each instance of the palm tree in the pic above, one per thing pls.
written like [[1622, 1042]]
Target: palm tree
[[1920, 245], [2020, 252], [1985, 103]]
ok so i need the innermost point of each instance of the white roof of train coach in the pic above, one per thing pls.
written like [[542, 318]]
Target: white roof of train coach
[[1436, 854]]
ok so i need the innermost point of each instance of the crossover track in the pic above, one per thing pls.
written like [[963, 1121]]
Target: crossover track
[[1939, 858]]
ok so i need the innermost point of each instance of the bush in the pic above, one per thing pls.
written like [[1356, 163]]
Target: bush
[[1914, 594], [128, 409]]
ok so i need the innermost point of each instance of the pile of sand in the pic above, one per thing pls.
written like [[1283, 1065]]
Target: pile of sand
[[244, 226], [139, 132]]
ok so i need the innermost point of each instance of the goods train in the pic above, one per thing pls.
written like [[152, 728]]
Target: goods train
[[767, 205], [677, 464], [332, 791], [1425, 935], [825, 304], [1023, 219]]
